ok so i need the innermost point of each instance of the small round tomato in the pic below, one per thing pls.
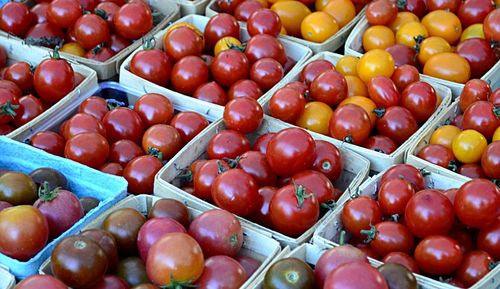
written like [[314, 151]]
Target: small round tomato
[[243, 114], [443, 24], [188, 74], [63, 13], [154, 108], [219, 26], [266, 72], [350, 123], [313, 69], [315, 117], [491, 25], [287, 104], [124, 225], [438, 255], [375, 62], [329, 87], [397, 123], [359, 213], [420, 99], [291, 15], [317, 183], [383, 91], [402, 54], [432, 46], [182, 41], [348, 275], [448, 66], [244, 10], [244, 88], [490, 160], [318, 27], [402, 259], [474, 11], [211, 92], [227, 43], [355, 86], [488, 240], [346, 65], [88, 148], [483, 117], [394, 195], [153, 230], [31, 108], [477, 202], [152, 65], [402, 18], [41, 281], [265, 46], [204, 174], [21, 74], [162, 139], [473, 171], [117, 43], [15, 18], [474, 90], [378, 37], [99, 53], [438, 155], [480, 55], [80, 123], [53, 78], [123, 151], [381, 144], [49, 141], [261, 215], [418, 7], [133, 20], [255, 164], [444, 136], [234, 274], [230, 66], [262, 141], [468, 146], [94, 106], [189, 124], [381, 12], [450, 5], [227, 144], [91, 30], [410, 32], [235, 191], [123, 123], [388, 237], [408, 173], [475, 265], [328, 160], [405, 75], [342, 10], [264, 21], [140, 173], [473, 31], [366, 103]]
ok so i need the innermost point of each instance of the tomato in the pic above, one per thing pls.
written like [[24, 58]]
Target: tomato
[[287, 104], [235, 191], [291, 15], [290, 151], [378, 37], [123, 151], [20, 73], [107, 243], [211, 92], [261, 143], [31, 108], [154, 108], [381, 144], [355, 86], [438, 155], [420, 99], [472, 171], [397, 123], [5, 129], [346, 65], [350, 123], [9, 107], [17, 188], [188, 124], [477, 203], [342, 10], [318, 27], [78, 261], [383, 91], [444, 136], [289, 273], [53, 78], [152, 65], [91, 30], [227, 144], [375, 62], [41, 281], [438, 255], [204, 177], [488, 240], [110, 9], [181, 42], [44, 34], [244, 10], [475, 265], [219, 26], [473, 31], [117, 43], [394, 195], [491, 25], [80, 123], [255, 164], [345, 277], [63, 13], [234, 274], [249, 264], [496, 135], [227, 43], [388, 237], [49, 141], [432, 46], [229, 66], [317, 183], [479, 54], [402, 18], [170, 208], [468, 146], [153, 230], [405, 75], [94, 106], [39, 12], [265, 46], [243, 115], [261, 215], [162, 139], [244, 88], [418, 7], [124, 225], [490, 160], [123, 123], [448, 66], [133, 271], [264, 21], [474, 11], [15, 18], [482, 117], [88, 148], [111, 282], [444, 24], [474, 90], [228, 6], [188, 74], [313, 69], [409, 173], [294, 209], [402, 259], [329, 87], [410, 32], [381, 12], [450, 5], [315, 117], [140, 173], [133, 20], [358, 214], [402, 54]]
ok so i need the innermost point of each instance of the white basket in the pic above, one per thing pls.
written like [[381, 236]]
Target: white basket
[[192, 7], [354, 46], [355, 171], [423, 139], [16, 52], [331, 44], [328, 232], [379, 161], [255, 245], [295, 51], [7, 281], [111, 67]]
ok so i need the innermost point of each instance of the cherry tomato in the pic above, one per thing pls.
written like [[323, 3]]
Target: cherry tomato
[[153, 230], [234, 274], [342, 10], [31, 108], [438, 155], [117, 43], [475, 265], [472, 171], [163, 138], [318, 27], [228, 6], [451, 5], [88, 148], [255, 164], [181, 42], [381, 12], [123, 151], [188, 124], [317, 183], [483, 117], [235, 191], [381, 144], [244, 88], [15, 18], [444, 136], [420, 99], [488, 240], [219, 26], [227, 144], [378, 37], [402, 54], [49, 141], [383, 91], [261, 214], [410, 32], [133, 20], [291, 15], [64, 13], [266, 72], [375, 62], [397, 123], [479, 54], [152, 65], [444, 24], [154, 108], [53, 79], [474, 90], [490, 160], [91, 30], [394, 195], [358, 214], [243, 115], [448, 66], [438, 255], [345, 277], [211, 92], [491, 25], [188, 74], [350, 123], [388, 237], [262, 142], [41, 281], [408, 173], [80, 123], [474, 11], [477, 203], [264, 21], [313, 69], [329, 87], [244, 10], [418, 7], [265, 46], [287, 104], [94, 106], [402, 259], [405, 75], [20, 73], [123, 123], [355, 86], [468, 146], [229, 66], [140, 173], [204, 177]]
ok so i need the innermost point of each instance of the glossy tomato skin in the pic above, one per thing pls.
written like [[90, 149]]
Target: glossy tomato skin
[[91, 30], [154, 108], [80, 123], [287, 104], [229, 66], [124, 224], [474, 90], [218, 232], [123, 151], [204, 177], [265, 46], [219, 26], [381, 12], [188, 124], [107, 243], [383, 91], [152, 65], [181, 42], [472, 171], [94, 106], [482, 117], [398, 124], [313, 69], [264, 21], [235, 191], [438, 255], [211, 92], [117, 43], [474, 11], [53, 79], [329, 87], [475, 265], [392, 237], [409, 173], [188, 74], [358, 214], [20, 73], [133, 20], [123, 123], [111, 282], [420, 99], [491, 25], [439, 155], [170, 208], [244, 88], [152, 231], [244, 10], [291, 214], [227, 144], [88, 148], [402, 259], [490, 160], [405, 75], [328, 160], [234, 275], [42, 282], [255, 164], [315, 182], [479, 54], [402, 54], [15, 18], [32, 107], [163, 138], [350, 123], [488, 240], [262, 142], [140, 173], [49, 141], [228, 6], [261, 214], [266, 72], [133, 271], [477, 203], [347, 276], [381, 144], [394, 195]]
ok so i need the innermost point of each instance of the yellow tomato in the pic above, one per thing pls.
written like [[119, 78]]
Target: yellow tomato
[[432, 46], [321, 4], [445, 135], [184, 24], [73, 48], [468, 146], [355, 86], [375, 62], [342, 10], [316, 117], [226, 43], [401, 19], [291, 14], [444, 24], [365, 103], [283, 30], [473, 31], [378, 36], [408, 32], [496, 135], [448, 66], [347, 65], [318, 27]]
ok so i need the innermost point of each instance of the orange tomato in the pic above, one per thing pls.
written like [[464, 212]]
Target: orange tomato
[[444, 135], [432, 46], [401, 19], [473, 31], [316, 117], [342, 10], [318, 27], [355, 86], [365, 103], [408, 32], [291, 14], [374, 63], [73, 48], [378, 36], [444, 24], [321, 4], [448, 66], [226, 43], [347, 65], [184, 24]]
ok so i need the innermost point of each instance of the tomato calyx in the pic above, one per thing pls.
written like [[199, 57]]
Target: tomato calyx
[[348, 138], [453, 166], [9, 109], [424, 172], [342, 240], [300, 194], [101, 13], [186, 176], [496, 111], [220, 167], [370, 234], [401, 4], [152, 151], [148, 43], [233, 240], [98, 48], [418, 43], [379, 112], [55, 53], [233, 163], [47, 195], [493, 264], [113, 103], [174, 284], [353, 195], [329, 205]]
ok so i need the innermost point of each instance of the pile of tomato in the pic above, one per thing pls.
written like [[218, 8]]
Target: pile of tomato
[[365, 101], [447, 39], [470, 143], [26, 92], [165, 248], [294, 17], [132, 143], [35, 209], [440, 233], [88, 28], [234, 71]]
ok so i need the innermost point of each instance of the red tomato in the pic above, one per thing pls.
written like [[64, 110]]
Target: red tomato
[[428, 213], [490, 160], [381, 144], [474, 11], [383, 91], [409, 173], [299, 86], [477, 203], [123, 151], [329, 87], [402, 259], [287, 104], [397, 123], [91, 30], [53, 79], [112, 169], [472, 171], [227, 144], [350, 123], [234, 274], [328, 160], [235, 191], [152, 65], [265, 46], [94, 106], [123, 123], [111, 282], [117, 43], [450, 5], [294, 209], [163, 140], [244, 88], [402, 55], [266, 72], [439, 155], [133, 20], [81, 123], [49, 141], [262, 142], [229, 66], [394, 195], [264, 21], [211, 92], [218, 232], [188, 74], [153, 230], [45, 34], [483, 117], [381, 12], [474, 90], [182, 41], [313, 69], [110, 9], [219, 26], [140, 174], [388, 237], [317, 183], [479, 54], [261, 215], [204, 177], [420, 99], [88, 148], [488, 239], [255, 164], [290, 151], [438, 255], [39, 12], [245, 9], [20, 73], [348, 276], [417, 7], [475, 265], [491, 25], [99, 53], [15, 18], [5, 129], [359, 213], [405, 75], [228, 6], [188, 124], [41, 281], [31, 108], [64, 13], [154, 108]]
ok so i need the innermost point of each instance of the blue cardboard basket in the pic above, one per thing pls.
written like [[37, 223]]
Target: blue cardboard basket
[[83, 181]]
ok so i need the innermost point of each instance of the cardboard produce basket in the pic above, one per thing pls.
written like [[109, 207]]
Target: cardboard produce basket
[[192, 6], [295, 51], [328, 233], [7, 281], [354, 46], [83, 182], [355, 170], [255, 245], [16, 52], [378, 161], [331, 44], [105, 70]]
